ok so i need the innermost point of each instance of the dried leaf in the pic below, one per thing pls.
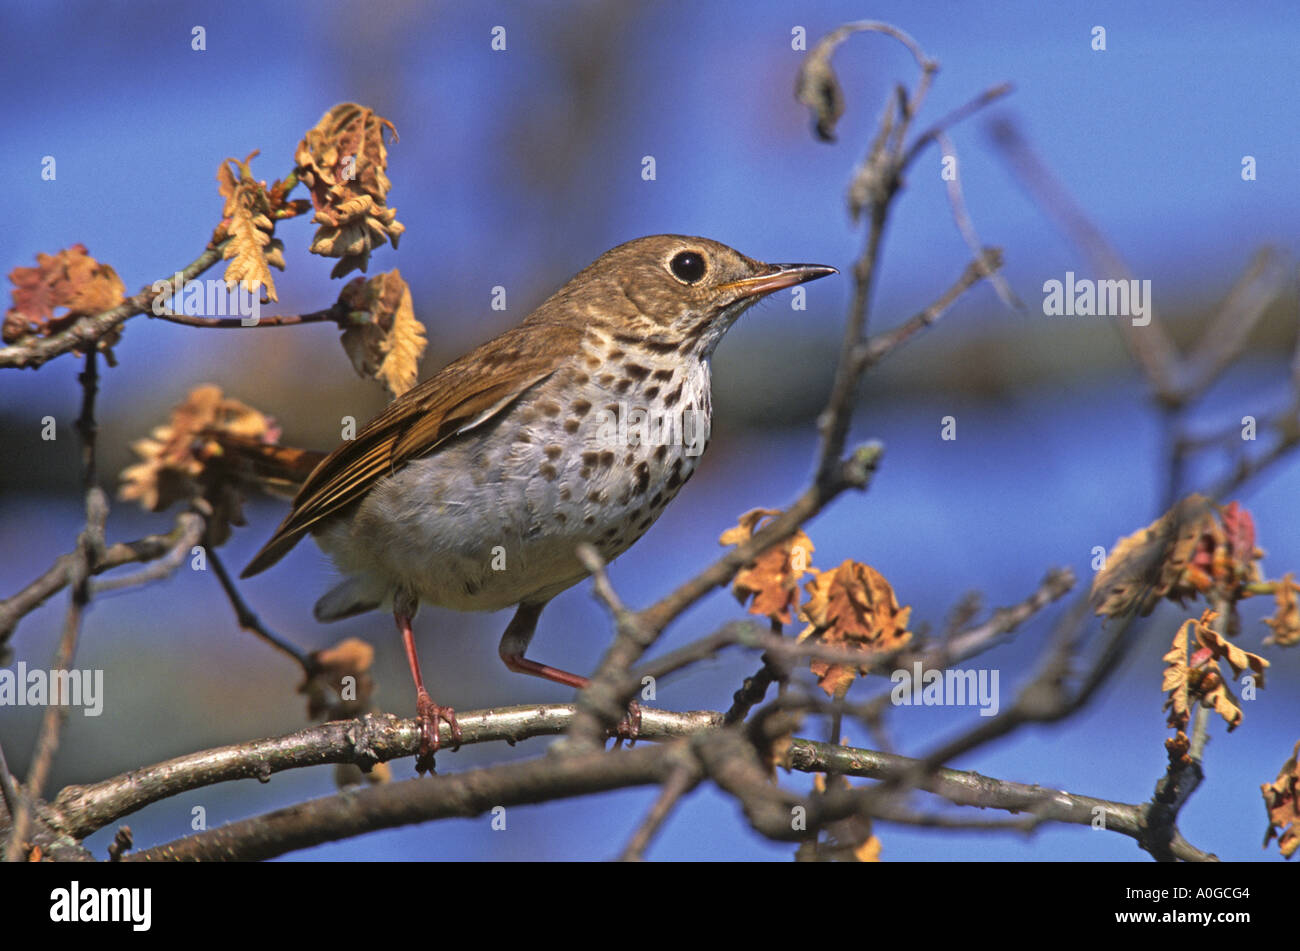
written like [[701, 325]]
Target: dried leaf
[[1286, 622], [1191, 550], [329, 695], [388, 345], [1219, 648], [1282, 800], [71, 279], [817, 86], [247, 221], [342, 162], [772, 579], [1199, 679], [852, 607], [185, 459], [1175, 681]]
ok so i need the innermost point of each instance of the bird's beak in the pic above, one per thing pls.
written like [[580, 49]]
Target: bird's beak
[[777, 277]]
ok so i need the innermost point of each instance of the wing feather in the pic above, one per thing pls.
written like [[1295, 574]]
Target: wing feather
[[463, 395]]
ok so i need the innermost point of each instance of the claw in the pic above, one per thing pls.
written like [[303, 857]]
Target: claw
[[429, 713]]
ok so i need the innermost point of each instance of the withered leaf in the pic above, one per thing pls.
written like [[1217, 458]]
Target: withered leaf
[[771, 579], [1285, 624], [852, 607], [185, 459], [70, 279], [342, 161], [328, 694], [388, 342], [1191, 550], [1282, 800], [817, 86], [247, 221], [1198, 679]]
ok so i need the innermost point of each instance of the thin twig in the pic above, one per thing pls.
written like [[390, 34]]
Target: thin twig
[[85, 332], [966, 227], [53, 580], [250, 622], [336, 313], [680, 781], [90, 545]]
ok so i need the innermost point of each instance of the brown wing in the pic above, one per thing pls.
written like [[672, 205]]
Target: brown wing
[[464, 394]]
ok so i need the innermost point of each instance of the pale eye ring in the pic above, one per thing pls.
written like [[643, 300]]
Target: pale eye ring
[[689, 267]]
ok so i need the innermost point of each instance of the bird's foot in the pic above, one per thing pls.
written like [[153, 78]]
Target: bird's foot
[[429, 713]]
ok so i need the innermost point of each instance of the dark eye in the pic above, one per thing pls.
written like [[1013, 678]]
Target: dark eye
[[688, 266]]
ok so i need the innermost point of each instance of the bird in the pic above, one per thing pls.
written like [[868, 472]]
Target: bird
[[474, 489]]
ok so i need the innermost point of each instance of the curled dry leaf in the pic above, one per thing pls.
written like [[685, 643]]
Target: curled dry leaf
[[1282, 800], [772, 579], [342, 686], [342, 162], [1193, 549], [852, 607], [1222, 649], [185, 458], [385, 341], [1198, 678], [247, 220], [71, 279], [1286, 622], [817, 86]]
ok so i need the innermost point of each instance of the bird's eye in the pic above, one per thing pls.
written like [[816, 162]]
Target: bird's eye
[[688, 266]]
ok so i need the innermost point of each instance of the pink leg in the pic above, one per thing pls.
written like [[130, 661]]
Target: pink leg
[[428, 712], [519, 632]]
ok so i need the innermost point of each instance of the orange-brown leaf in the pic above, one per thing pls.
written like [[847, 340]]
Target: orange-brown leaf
[[1175, 681], [328, 694], [1282, 801], [1154, 562], [771, 579], [388, 345], [184, 459], [1237, 658], [1285, 624], [70, 279], [854, 608], [1198, 679]]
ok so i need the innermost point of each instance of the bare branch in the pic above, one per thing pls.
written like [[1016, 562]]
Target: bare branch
[[86, 332], [376, 738]]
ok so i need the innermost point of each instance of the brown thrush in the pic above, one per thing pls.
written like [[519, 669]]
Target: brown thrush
[[473, 490]]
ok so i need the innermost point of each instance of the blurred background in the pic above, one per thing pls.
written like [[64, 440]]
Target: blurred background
[[517, 168]]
